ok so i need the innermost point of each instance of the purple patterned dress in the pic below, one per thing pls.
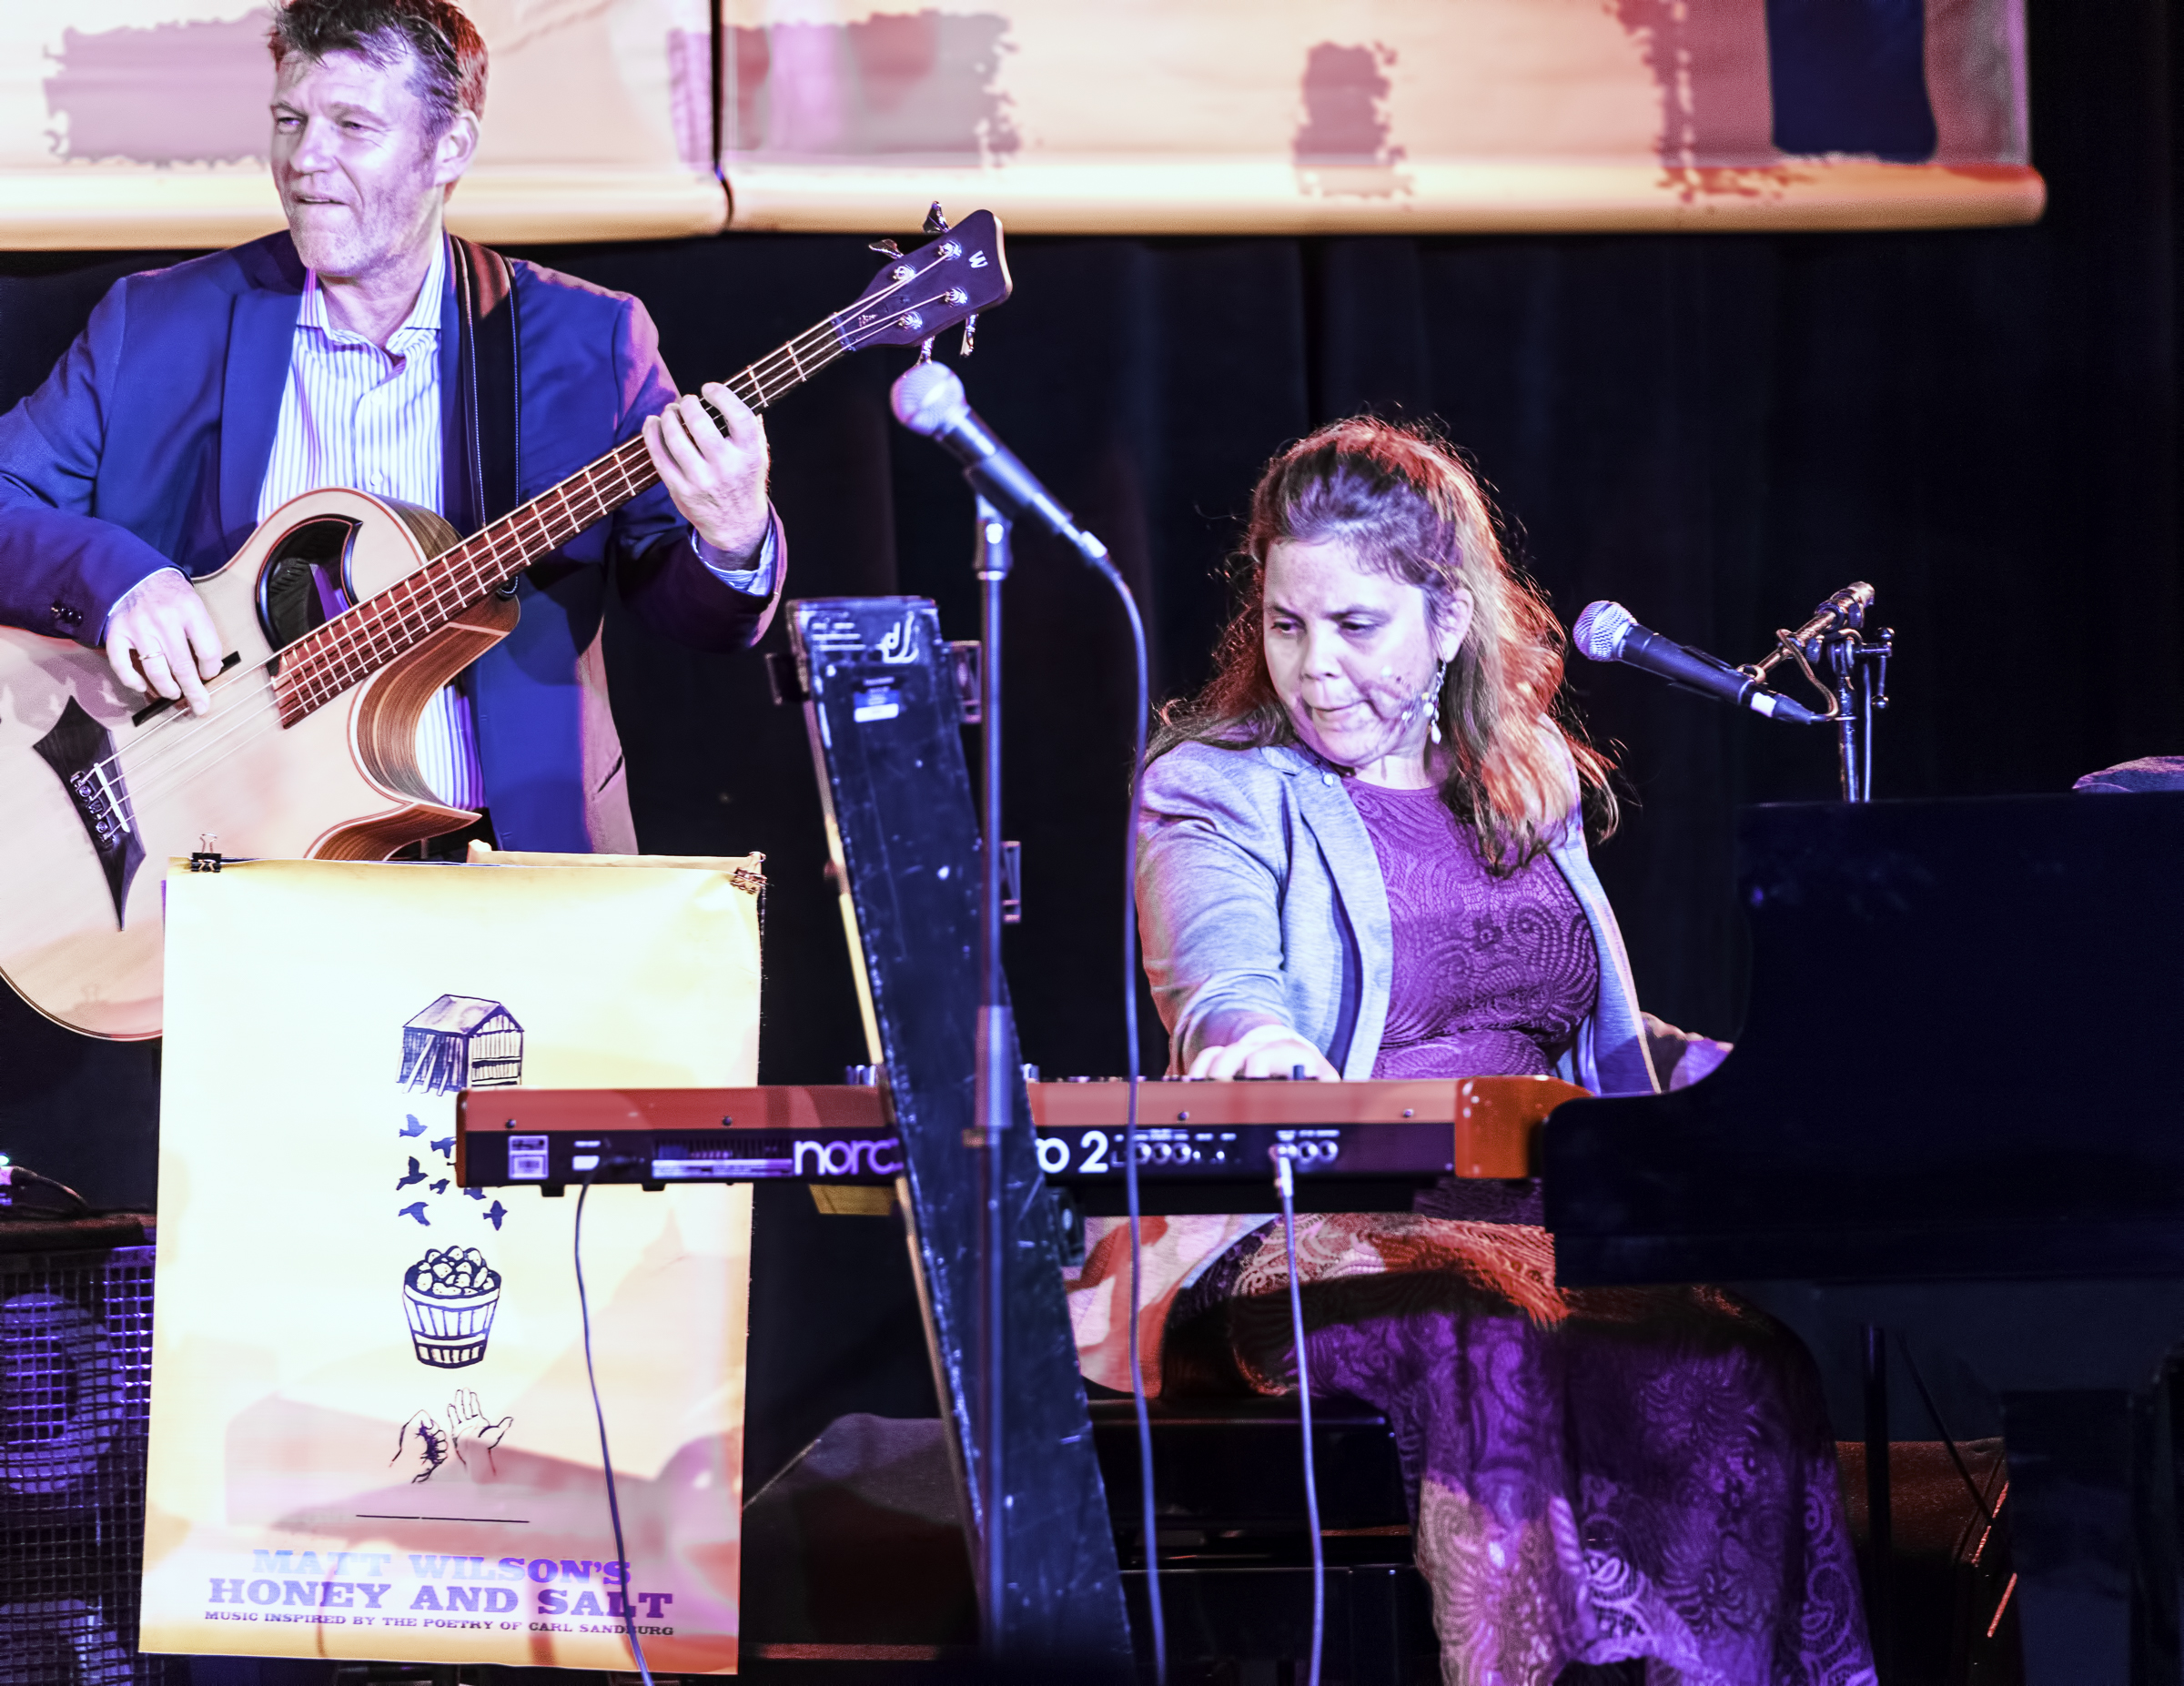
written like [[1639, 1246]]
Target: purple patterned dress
[[1601, 1475]]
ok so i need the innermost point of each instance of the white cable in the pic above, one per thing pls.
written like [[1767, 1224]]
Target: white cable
[[606, 1459], [1156, 1614], [1286, 1186]]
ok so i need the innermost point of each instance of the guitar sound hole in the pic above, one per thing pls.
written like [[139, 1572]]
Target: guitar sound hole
[[304, 583]]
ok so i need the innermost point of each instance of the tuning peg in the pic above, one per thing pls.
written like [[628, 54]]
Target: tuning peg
[[970, 333], [925, 349], [886, 248], [934, 222]]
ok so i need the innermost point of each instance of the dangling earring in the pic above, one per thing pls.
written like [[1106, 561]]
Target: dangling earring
[[1432, 698]]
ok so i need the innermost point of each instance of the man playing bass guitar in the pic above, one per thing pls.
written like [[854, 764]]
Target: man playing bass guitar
[[363, 347]]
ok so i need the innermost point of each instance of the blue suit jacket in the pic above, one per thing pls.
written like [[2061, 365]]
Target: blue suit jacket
[[148, 442]]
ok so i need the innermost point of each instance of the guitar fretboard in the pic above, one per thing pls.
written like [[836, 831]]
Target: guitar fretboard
[[356, 645]]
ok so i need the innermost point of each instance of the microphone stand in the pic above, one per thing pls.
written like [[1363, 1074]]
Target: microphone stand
[[993, 1090], [1859, 660], [997, 1073], [1861, 673]]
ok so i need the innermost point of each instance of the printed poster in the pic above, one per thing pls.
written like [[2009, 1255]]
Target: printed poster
[[371, 1435]]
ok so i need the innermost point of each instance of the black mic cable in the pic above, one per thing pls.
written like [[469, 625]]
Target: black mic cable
[[1155, 1614]]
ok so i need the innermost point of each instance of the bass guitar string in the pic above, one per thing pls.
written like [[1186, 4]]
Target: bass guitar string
[[173, 749], [143, 782], [154, 767], [486, 555], [802, 357], [812, 344], [630, 463], [149, 763], [151, 750], [253, 722], [143, 751]]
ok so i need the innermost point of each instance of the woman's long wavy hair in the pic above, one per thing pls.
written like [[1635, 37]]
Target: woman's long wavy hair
[[1406, 505]]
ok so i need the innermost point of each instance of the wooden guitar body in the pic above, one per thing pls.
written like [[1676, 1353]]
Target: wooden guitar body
[[80, 925]]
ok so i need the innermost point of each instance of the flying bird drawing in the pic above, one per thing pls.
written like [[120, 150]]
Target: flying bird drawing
[[494, 1213], [413, 1128], [473, 1194], [445, 1147], [416, 1176], [440, 1187], [415, 1209]]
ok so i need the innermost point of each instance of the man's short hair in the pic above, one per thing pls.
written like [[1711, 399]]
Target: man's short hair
[[449, 54]]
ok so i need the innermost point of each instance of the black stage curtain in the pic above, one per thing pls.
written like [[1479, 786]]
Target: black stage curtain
[[1718, 430]]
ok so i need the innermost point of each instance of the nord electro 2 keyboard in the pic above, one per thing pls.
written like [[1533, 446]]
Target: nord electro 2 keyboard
[[1201, 1146]]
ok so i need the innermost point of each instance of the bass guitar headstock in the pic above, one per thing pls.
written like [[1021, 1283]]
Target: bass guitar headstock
[[947, 280]]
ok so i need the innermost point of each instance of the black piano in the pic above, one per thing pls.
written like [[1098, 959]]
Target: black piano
[[1954, 1111]]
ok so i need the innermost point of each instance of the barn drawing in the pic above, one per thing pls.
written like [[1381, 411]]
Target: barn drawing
[[462, 1042]]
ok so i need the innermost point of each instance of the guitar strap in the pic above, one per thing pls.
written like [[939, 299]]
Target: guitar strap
[[493, 385]]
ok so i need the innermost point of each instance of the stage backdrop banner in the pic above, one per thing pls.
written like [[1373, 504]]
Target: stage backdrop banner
[[142, 123], [371, 1433], [145, 123], [1380, 116]]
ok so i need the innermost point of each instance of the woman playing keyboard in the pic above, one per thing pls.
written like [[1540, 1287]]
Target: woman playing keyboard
[[1363, 854]]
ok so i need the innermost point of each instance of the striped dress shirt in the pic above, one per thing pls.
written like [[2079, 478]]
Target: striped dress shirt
[[355, 415]]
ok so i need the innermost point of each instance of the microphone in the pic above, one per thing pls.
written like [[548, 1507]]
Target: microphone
[[1606, 631], [929, 399]]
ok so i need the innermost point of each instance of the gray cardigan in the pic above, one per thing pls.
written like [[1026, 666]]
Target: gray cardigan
[[1259, 900]]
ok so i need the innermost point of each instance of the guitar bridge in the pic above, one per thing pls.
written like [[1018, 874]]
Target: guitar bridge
[[81, 753]]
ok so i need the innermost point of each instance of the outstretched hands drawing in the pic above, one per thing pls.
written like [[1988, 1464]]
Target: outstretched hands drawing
[[422, 1445], [474, 1436], [419, 1447]]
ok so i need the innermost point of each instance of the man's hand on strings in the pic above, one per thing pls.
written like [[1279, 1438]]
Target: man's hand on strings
[[717, 481], [161, 638]]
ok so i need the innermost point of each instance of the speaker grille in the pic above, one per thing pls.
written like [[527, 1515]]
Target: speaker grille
[[76, 1351]]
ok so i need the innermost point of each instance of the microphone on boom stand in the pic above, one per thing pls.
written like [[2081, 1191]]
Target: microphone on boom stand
[[1607, 631], [929, 400], [1857, 656]]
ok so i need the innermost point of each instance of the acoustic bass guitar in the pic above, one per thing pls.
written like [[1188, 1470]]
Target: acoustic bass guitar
[[341, 618]]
